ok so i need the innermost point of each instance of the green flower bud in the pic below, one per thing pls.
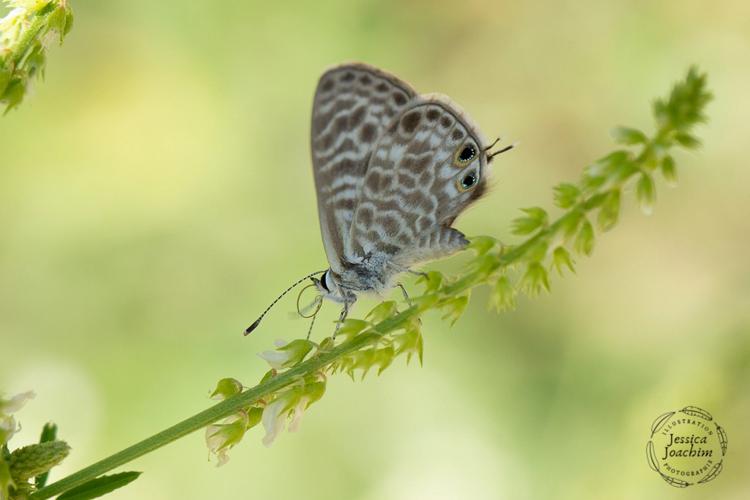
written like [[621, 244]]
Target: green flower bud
[[226, 388], [36, 459]]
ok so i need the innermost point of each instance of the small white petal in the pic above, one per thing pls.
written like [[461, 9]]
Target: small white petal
[[16, 402], [297, 413], [275, 358], [273, 420]]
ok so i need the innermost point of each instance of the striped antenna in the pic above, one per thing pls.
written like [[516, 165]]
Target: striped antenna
[[255, 324]]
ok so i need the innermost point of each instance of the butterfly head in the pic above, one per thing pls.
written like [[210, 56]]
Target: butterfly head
[[329, 287]]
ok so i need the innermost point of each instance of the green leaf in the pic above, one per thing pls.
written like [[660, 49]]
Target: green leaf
[[49, 433], [535, 280], [584, 243], [100, 486], [668, 170], [351, 327], [685, 104], [384, 310], [503, 297], [537, 252], [5, 76], [254, 416], [687, 141], [610, 210], [646, 193], [566, 195], [569, 224], [410, 343], [561, 258], [536, 218], [455, 308], [433, 280], [482, 244], [628, 136]]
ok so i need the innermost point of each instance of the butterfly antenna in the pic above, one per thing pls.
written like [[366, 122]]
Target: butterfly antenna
[[255, 324], [499, 151], [492, 145]]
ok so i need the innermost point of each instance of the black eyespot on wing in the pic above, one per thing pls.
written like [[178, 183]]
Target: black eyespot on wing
[[467, 181], [464, 155], [467, 153]]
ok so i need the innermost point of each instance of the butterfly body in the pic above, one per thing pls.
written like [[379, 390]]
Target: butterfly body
[[393, 169]]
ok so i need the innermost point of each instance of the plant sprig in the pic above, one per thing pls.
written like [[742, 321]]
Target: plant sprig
[[25, 33], [300, 369]]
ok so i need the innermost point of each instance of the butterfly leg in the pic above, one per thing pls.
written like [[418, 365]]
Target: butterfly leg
[[407, 298], [421, 274], [406, 295], [342, 318]]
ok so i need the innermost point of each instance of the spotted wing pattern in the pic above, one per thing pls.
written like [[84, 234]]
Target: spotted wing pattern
[[353, 105], [426, 168]]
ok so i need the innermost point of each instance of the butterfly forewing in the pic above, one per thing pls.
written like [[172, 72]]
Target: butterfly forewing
[[353, 105], [425, 169]]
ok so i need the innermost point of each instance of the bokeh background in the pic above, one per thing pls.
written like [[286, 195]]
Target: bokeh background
[[156, 193]]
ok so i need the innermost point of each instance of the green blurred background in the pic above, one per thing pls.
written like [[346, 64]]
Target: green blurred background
[[156, 193]]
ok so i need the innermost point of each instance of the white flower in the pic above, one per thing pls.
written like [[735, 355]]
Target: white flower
[[8, 425], [221, 437], [287, 355], [274, 417], [276, 359], [297, 412], [15, 403]]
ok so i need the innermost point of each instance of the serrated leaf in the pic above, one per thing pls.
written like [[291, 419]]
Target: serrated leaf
[[535, 280], [628, 136], [535, 218], [455, 308], [503, 295], [584, 243], [566, 195], [100, 486], [646, 193], [561, 258]]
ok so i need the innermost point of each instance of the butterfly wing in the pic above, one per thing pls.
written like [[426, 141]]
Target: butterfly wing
[[353, 105], [426, 168]]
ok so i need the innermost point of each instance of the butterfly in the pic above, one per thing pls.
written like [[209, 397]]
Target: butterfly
[[393, 169]]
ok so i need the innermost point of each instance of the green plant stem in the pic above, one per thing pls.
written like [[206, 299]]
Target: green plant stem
[[22, 46], [223, 409]]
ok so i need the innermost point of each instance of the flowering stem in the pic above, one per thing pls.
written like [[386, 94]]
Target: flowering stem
[[221, 410]]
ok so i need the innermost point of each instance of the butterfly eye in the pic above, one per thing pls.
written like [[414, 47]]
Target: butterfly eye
[[465, 154], [468, 181]]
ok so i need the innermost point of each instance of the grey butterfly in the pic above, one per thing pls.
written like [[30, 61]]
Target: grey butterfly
[[393, 169]]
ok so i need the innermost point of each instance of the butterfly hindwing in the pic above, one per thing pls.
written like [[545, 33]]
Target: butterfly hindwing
[[353, 105], [426, 168]]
